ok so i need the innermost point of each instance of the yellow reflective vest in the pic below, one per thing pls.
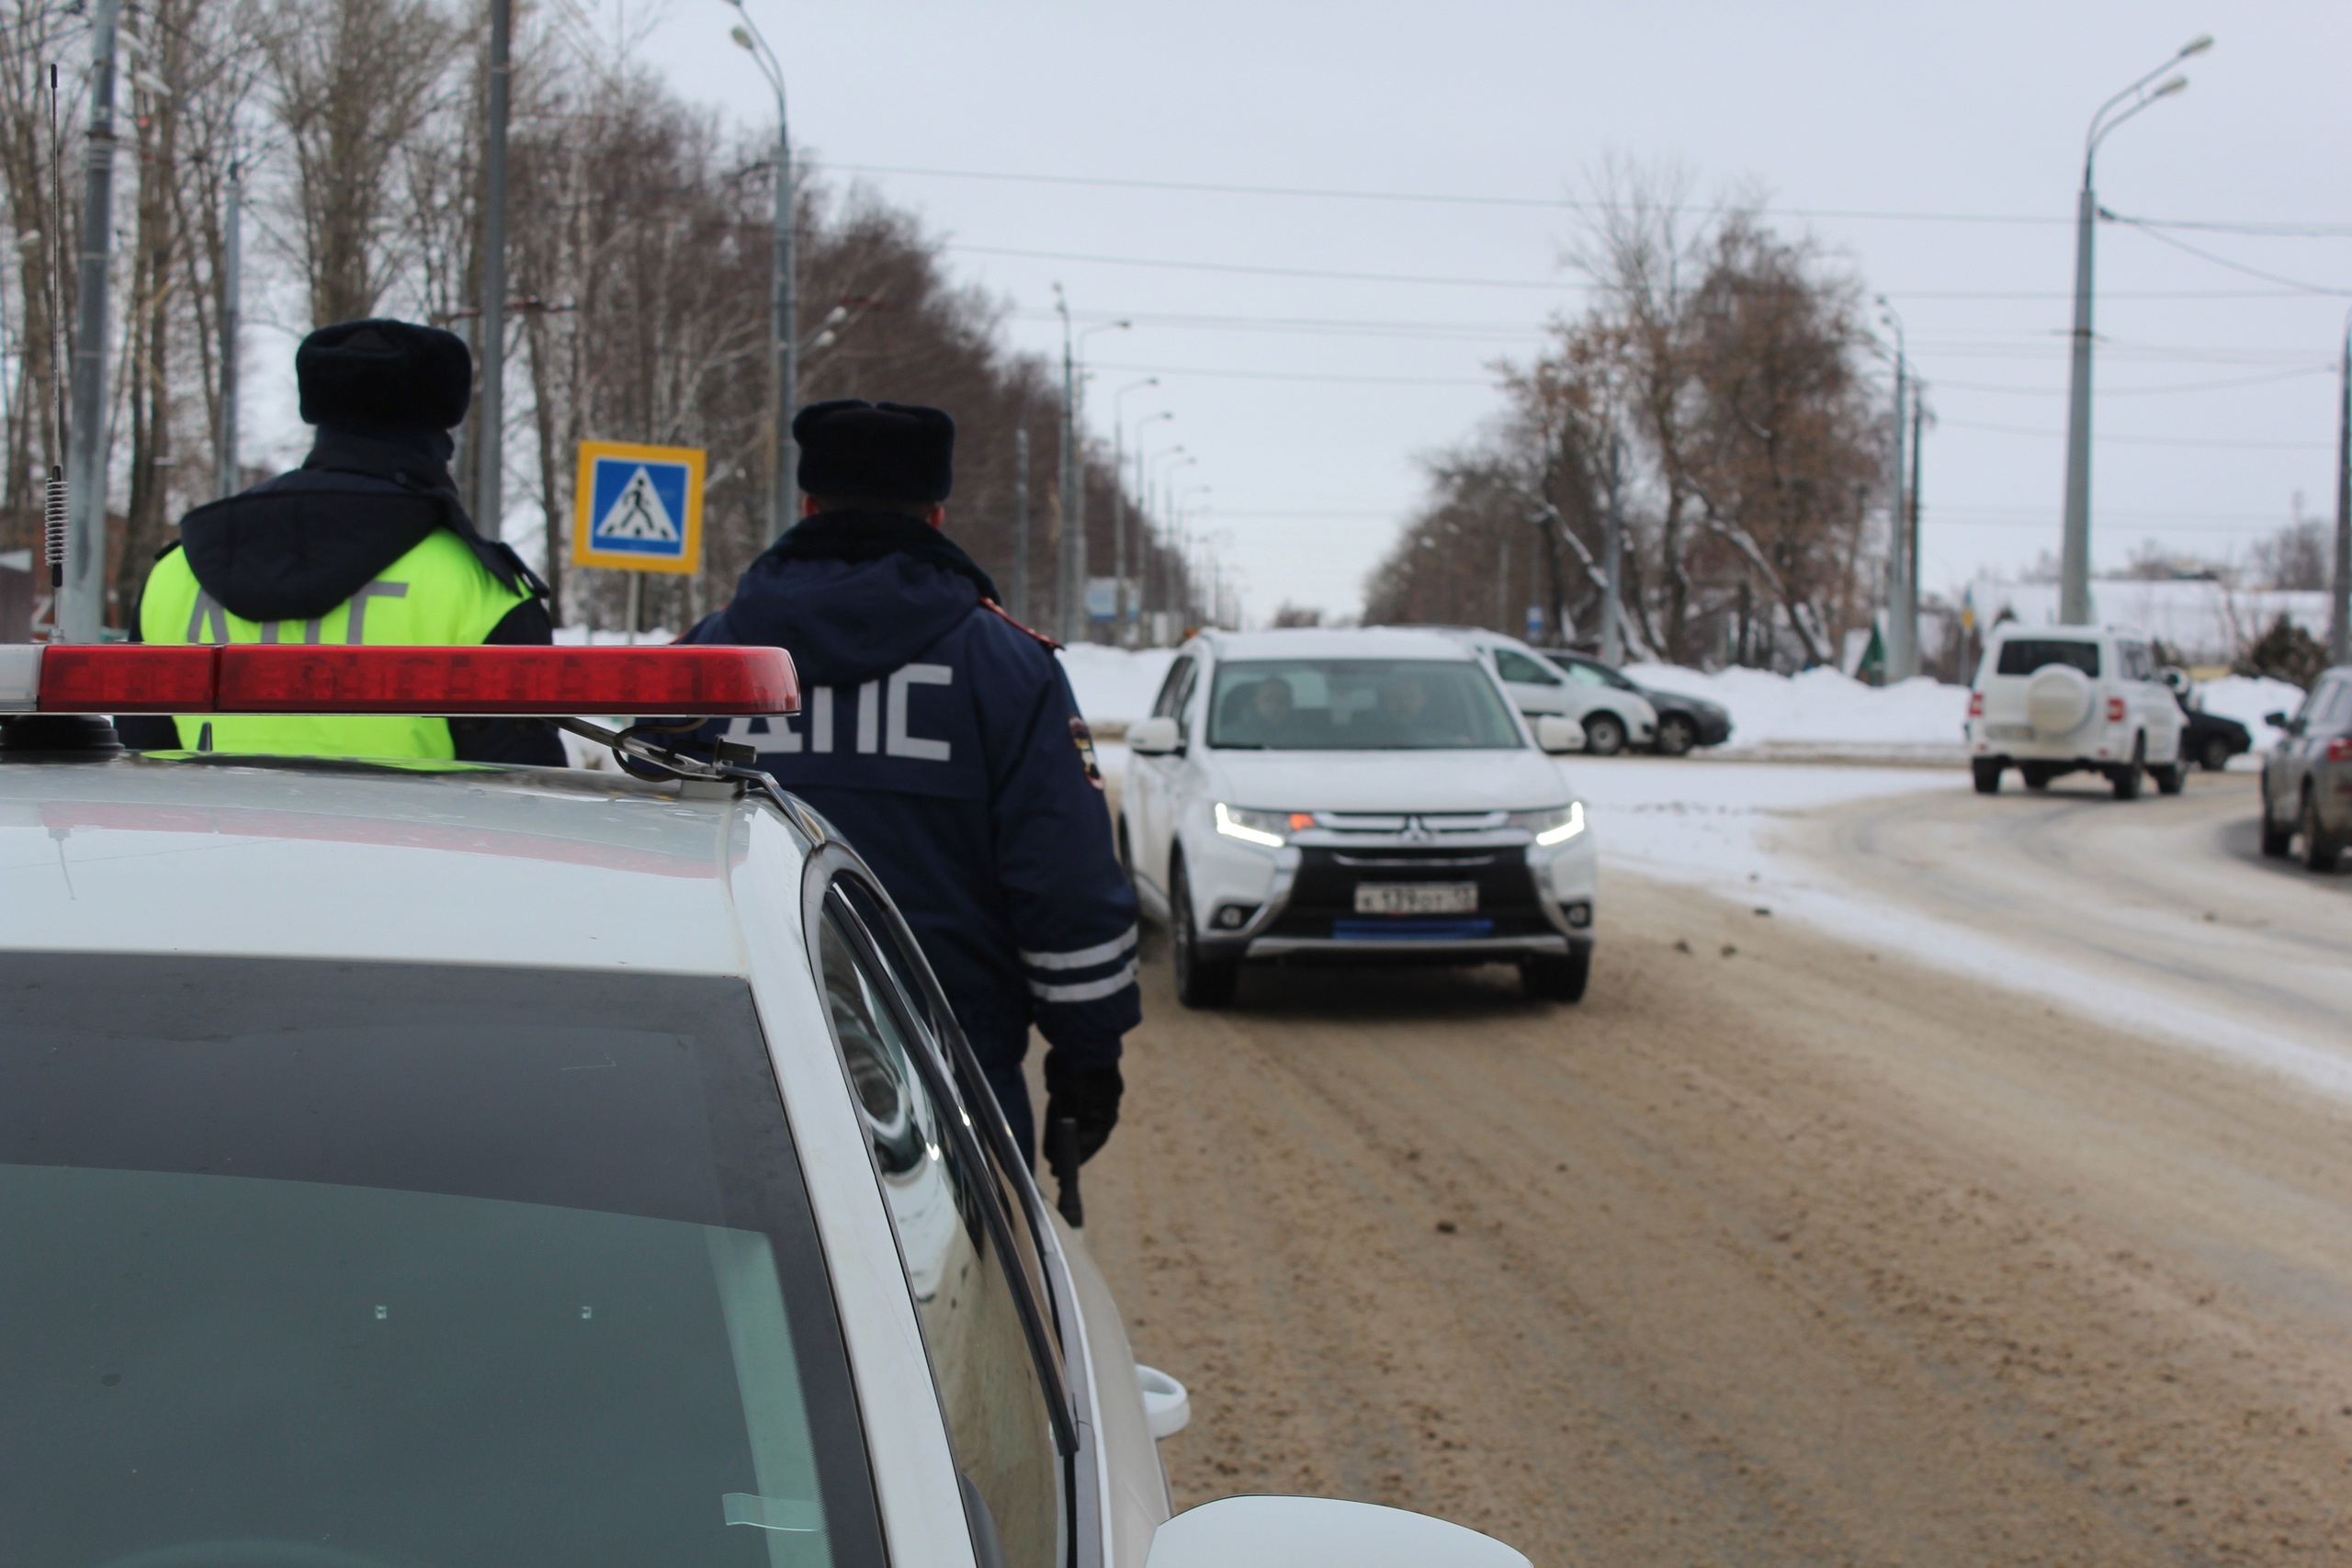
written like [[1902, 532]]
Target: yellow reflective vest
[[440, 592]]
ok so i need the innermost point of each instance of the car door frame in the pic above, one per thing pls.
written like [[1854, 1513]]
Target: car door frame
[[1086, 1482]]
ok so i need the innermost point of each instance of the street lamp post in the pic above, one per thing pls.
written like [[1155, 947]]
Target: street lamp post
[[1119, 496], [784, 304], [2075, 556], [2339, 618], [1070, 564], [1902, 652]]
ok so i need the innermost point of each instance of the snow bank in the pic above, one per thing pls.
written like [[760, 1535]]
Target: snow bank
[[1821, 708]]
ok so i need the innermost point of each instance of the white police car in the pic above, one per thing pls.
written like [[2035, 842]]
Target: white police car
[[465, 1168]]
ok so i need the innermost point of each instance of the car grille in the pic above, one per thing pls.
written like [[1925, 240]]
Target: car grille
[[1323, 895]]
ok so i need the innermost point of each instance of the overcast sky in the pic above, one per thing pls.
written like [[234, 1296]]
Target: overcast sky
[[1933, 150]]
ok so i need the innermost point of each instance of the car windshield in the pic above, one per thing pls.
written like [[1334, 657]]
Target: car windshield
[[1357, 705], [385, 1264], [2024, 655]]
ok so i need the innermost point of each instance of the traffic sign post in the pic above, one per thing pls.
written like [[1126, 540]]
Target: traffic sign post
[[637, 508]]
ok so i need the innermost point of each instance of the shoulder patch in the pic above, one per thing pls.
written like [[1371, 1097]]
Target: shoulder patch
[[1083, 738], [1016, 625]]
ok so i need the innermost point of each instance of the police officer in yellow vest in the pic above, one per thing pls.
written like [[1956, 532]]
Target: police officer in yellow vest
[[367, 542]]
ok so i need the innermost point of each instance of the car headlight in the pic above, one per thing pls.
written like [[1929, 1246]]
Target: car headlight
[[1267, 828], [1556, 826]]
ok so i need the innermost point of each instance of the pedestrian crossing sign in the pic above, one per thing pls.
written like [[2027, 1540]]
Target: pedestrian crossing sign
[[637, 508]]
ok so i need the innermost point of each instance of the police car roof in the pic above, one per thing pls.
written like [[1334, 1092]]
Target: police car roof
[[319, 860], [1346, 642]]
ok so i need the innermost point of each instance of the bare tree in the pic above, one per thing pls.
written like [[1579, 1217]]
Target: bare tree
[[353, 81]]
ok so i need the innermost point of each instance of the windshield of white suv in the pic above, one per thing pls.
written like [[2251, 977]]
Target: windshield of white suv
[[387, 1264], [2024, 655], [1357, 705]]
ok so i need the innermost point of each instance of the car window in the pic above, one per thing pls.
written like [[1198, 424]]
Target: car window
[[2334, 707], [1591, 675], [998, 1421], [463, 1266], [1369, 705], [1172, 689], [2024, 655], [1513, 665]]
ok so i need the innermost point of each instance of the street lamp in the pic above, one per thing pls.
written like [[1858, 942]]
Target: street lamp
[[2075, 556], [1071, 566], [1119, 492], [2339, 618], [783, 298]]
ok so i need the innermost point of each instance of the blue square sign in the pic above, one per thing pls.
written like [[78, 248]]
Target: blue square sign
[[637, 508]]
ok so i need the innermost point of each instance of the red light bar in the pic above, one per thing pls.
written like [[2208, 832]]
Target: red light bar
[[126, 678], [275, 678]]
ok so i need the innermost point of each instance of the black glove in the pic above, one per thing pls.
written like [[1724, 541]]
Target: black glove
[[1088, 1096]]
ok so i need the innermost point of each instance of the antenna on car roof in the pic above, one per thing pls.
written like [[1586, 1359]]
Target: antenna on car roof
[[53, 528]]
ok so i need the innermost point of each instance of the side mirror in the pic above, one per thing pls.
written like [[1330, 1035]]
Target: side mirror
[[1154, 737], [1167, 1408], [1555, 735], [1320, 1532], [2275, 721]]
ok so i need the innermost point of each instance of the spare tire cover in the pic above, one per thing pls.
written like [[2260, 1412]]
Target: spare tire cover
[[2057, 699]]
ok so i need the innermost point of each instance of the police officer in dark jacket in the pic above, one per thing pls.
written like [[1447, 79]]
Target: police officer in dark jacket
[[941, 737], [367, 542]]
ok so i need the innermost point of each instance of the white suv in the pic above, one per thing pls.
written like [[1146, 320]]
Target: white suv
[[1612, 718], [2052, 700], [1365, 796]]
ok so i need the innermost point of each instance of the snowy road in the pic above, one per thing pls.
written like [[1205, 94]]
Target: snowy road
[[2158, 915]]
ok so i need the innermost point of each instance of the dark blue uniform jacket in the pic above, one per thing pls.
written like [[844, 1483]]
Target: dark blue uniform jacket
[[943, 740]]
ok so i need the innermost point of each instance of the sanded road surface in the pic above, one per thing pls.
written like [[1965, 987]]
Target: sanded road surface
[[1770, 1251]]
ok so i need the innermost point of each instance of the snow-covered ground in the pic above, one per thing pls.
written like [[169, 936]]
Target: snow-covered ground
[[1731, 829], [1821, 709]]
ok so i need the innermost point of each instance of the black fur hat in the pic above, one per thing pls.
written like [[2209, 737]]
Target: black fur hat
[[384, 372], [882, 451]]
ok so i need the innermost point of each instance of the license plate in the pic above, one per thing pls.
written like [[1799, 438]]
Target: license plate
[[2009, 731], [1416, 897]]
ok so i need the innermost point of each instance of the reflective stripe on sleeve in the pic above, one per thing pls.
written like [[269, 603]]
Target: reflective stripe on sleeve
[[1080, 958], [1089, 991]]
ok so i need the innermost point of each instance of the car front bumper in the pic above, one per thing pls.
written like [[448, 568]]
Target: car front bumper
[[1296, 903]]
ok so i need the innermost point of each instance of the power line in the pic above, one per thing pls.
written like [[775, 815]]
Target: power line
[[2151, 230], [2141, 440], [1556, 286], [1568, 204], [1941, 385], [1211, 371]]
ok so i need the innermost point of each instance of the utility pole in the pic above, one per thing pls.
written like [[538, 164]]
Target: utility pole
[[2339, 618], [1068, 611], [79, 610], [1021, 524], [1911, 545], [784, 324], [225, 473], [490, 421], [1613, 562], [2075, 551], [1898, 534]]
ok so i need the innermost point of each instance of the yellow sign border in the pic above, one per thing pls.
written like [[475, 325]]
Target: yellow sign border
[[584, 496]]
